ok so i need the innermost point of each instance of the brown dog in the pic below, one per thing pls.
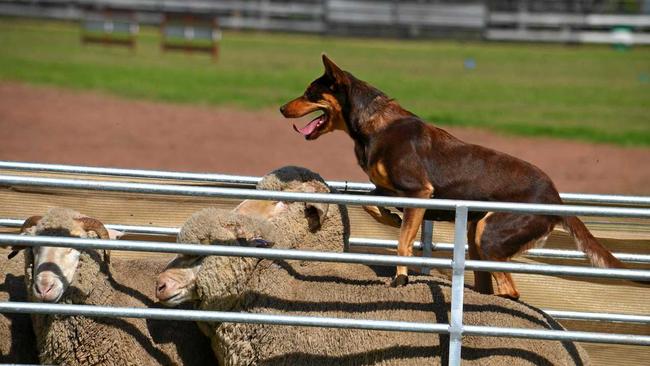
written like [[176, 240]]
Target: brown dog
[[406, 157]]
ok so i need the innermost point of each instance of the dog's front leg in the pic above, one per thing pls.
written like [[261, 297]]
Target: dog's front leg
[[411, 223], [384, 216]]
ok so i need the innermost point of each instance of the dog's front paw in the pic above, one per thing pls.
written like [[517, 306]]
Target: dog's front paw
[[399, 281], [513, 297], [395, 220]]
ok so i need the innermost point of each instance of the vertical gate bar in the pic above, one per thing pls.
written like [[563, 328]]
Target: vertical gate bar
[[457, 287], [426, 240]]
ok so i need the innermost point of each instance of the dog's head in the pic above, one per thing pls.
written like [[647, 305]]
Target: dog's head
[[327, 94]]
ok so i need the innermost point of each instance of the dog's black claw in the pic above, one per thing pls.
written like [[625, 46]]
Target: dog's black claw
[[509, 297], [397, 219], [399, 280]]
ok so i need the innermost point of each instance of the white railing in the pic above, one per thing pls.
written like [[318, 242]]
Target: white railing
[[458, 264], [250, 182]]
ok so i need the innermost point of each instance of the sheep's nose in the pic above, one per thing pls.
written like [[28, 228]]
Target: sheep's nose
[[45, 291], [165, 288], [161, 287], [160, 290]]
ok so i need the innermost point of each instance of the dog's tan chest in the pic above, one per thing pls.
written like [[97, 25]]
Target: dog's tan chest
[[378, 175]]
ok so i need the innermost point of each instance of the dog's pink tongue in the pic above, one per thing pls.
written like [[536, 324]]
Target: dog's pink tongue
[[309, 128]]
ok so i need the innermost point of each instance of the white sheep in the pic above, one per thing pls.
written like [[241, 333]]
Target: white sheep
[[70, 276], [333, 290]]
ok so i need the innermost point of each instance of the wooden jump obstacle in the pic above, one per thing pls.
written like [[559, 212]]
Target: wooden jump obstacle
[[190, 33], [109, 26]]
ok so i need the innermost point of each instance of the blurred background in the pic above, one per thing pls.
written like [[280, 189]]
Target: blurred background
[[195, 85]]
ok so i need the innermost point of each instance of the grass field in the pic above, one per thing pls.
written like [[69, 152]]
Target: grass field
[[588, 93]]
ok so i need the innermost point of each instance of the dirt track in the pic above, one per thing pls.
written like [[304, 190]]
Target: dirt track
[[41, 124]]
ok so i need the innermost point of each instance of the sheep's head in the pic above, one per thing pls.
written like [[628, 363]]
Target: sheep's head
[[307, 225], [178, 282], [53, 268]]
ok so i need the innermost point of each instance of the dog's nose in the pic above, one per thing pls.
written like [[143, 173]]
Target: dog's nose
[[282, 109]]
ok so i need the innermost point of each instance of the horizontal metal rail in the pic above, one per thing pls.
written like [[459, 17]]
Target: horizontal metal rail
[[238, 193], [556, 335], [290, 254], [249, 181], [309, 321], [220, 316], [226, 179], [374, 243], [604, 317], [532, 253], [133, 229]]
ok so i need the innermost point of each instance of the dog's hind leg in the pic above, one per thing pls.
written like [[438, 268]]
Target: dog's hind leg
[[503, 235], [482, 280], [384, 216]]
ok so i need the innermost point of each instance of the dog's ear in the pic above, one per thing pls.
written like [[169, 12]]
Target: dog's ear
[[333, 71]]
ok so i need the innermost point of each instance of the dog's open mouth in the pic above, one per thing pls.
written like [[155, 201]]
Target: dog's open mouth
[[311, 129]]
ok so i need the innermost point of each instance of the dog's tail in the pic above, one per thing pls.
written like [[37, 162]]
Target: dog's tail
[[597, 254]]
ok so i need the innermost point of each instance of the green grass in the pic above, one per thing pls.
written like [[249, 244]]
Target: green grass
[[591, 93]]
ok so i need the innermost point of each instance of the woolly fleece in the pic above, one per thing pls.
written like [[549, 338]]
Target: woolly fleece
[[355, 291], [17, 340]]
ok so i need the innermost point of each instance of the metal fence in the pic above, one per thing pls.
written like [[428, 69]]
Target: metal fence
[[510, 20], [456, 329]]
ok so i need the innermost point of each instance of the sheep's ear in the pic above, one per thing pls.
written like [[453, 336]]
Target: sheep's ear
[[314, 211], [15, 249], [316, 214], [107, 256], [264, 209], [115, 234], [28, 228], [261, 243], [14, 252]]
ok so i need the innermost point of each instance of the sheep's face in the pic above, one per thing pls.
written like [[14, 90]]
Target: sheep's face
[[54, 269], [177, 283]]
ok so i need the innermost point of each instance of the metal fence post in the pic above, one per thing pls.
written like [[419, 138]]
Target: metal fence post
[[426, 240], [457, 287]]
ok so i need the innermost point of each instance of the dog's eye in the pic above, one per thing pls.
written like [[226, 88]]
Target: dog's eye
[[311, 95]]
